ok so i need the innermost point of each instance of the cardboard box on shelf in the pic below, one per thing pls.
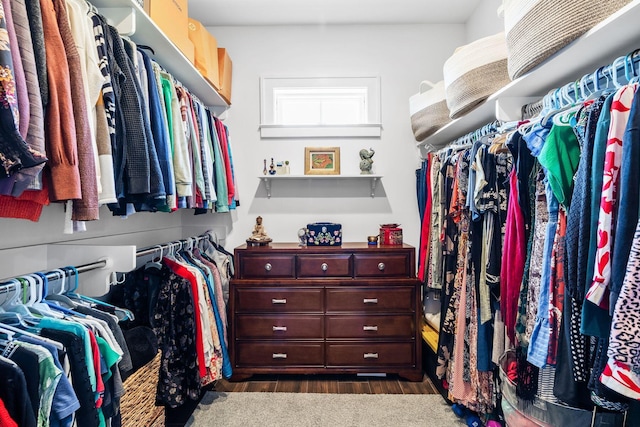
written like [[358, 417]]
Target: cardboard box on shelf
[[172, 17], [206, 51], [225, 66]]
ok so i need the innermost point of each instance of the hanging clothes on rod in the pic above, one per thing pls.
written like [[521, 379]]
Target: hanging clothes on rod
[[179, 295], [61, 357], [533, 249], [153, 147]]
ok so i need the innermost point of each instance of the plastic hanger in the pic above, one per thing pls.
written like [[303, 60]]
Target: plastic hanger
[[122, 313], [10, 294], [155, 263]]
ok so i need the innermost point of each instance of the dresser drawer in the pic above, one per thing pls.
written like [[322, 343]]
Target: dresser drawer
[[278, 326], [382, 265], [268, 266], [318, 266], [370, 354], [279, 354], [396, 326], [370, 299], [278, 300]]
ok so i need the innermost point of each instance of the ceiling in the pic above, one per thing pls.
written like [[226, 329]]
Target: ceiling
[[314, 12]]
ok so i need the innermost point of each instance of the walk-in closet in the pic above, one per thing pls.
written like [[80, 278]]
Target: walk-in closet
[[319, 213]]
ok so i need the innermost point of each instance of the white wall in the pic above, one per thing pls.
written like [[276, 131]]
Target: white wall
[[484, 21], [402, 55]]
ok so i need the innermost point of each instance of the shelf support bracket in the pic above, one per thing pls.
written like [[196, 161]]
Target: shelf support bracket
[[509, 109], [374, 183], [267, 185], [123, 18]]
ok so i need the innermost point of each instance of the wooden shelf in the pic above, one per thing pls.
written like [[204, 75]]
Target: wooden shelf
[[616, 36], [147, 33], [268, 179]]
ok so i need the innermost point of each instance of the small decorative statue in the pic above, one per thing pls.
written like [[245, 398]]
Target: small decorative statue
[[366, 161], [259, 235], [302, 237]]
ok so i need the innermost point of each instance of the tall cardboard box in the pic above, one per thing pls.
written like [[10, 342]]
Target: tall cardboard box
[[206, 51], [225, 67], [172, 17]]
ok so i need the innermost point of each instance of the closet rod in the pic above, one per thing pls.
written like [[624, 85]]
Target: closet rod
[[53, 275], [164, 246]]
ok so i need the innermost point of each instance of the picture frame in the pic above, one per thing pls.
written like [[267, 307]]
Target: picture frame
[[322, 161]]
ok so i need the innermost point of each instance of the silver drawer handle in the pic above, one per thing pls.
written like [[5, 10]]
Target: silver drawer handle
[[279, 355], [370, 300], [371, 355], [381, 266], [324, 266], [280, 329], [370, 328], [278, 301], [268, 266]]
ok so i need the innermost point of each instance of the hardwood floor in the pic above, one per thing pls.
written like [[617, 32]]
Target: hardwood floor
[[337, 384]]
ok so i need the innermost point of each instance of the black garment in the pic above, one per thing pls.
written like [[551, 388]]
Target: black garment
[[136, 167], [125, 363], [14, 395], [175, 326], [139, 294], [143, 346], [29, 364], [87, 415]]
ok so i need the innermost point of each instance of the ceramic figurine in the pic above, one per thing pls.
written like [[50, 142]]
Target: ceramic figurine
[[272, 168], [264, 170], [366, 161], [259, 236], [302, 237]]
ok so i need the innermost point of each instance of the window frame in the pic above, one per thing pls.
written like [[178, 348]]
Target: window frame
[[270, 129]]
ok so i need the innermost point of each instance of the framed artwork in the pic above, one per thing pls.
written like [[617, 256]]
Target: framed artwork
[[322, 161]]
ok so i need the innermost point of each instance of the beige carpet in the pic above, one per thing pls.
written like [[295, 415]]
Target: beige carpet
[[312, 409]]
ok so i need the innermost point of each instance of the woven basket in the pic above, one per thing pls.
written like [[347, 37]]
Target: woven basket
[[536, 29], [138, 404], [474, 72], [428, 110]]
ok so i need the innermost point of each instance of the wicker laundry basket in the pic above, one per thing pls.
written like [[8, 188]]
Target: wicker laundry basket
[[138, 403], [474, 72], [536, 29], [428, 110]]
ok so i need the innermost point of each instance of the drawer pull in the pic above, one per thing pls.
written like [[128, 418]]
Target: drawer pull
[[324, 266], [279, 329], [370, 328], [268, 266], [381, 266], [371, 355], [278, 301], [279, 355], [370, 300]]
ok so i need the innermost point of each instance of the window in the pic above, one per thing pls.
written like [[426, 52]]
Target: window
[[320, 107]]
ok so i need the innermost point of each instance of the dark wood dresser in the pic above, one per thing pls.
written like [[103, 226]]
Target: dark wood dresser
[[351, 309]]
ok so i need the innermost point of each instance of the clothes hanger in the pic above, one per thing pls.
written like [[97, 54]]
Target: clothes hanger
[[121, 313], [10, 294], [155, 263]]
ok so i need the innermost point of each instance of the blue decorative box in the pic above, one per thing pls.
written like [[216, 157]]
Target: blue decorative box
[[324, 234]]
